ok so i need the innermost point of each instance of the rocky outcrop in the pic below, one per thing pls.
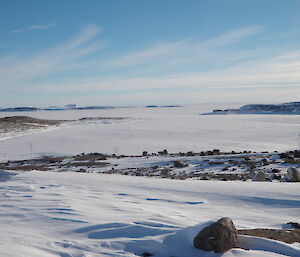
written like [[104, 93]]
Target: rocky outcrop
[[283, 235], [219, 237], [285, 108]]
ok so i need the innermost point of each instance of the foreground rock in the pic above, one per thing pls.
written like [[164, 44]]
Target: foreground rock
[[219, 237]]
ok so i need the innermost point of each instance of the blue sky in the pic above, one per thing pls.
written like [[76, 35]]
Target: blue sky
[[132, 52]]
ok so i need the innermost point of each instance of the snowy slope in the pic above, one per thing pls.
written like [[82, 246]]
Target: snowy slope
[[88, 215]]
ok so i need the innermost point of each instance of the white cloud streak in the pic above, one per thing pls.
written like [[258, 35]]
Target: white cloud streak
[[35, 27], [181, 50]]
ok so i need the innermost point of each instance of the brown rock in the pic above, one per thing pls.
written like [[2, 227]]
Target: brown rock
[[219, 237]]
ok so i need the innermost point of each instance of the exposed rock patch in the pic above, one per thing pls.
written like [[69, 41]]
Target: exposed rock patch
[[24, 123], [283, 235], [21, 123], [222, 166]]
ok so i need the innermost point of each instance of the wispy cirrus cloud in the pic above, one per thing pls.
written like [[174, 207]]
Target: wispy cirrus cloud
[[50, 61], [68, 54], [158, 72], [35, 27], [181, 50]]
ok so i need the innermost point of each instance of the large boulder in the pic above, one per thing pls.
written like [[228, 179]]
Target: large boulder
[[219, 237]]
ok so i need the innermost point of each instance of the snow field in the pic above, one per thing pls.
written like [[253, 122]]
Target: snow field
[[155, 129], [71, 214]]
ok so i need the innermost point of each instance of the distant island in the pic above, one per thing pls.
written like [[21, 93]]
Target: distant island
[[54, 108], [285, 108], [162, 106], [74, 107]]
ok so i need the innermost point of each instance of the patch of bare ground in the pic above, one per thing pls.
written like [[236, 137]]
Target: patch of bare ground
[[283, 235], [90, 156], [219, 166], [26, 167], [101, 118], [22, 123], [88, 164]]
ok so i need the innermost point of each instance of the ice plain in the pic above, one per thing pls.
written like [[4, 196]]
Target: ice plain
[[70, 214], [155, 129]]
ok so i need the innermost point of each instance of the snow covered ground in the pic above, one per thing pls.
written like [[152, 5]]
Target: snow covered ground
[[155, 129], [87, 215], [70, 214]]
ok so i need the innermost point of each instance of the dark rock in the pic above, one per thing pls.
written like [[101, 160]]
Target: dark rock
[[145, 153], [294, 224], [164, 152], [219, 237], [179, 164], [81, 170], [275, 171], [283, 155], [265, 162], [146, 254], [209, 153], [191, 153], [278, 177], [297, 154], [216, 151], [216, 162]]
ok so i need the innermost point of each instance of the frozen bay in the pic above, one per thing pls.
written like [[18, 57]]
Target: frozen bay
[[155, 129]]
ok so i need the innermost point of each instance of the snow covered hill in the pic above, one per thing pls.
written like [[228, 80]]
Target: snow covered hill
[[285, 108]]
